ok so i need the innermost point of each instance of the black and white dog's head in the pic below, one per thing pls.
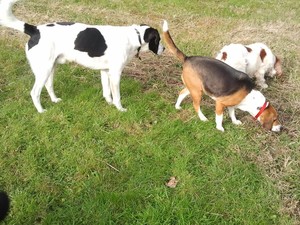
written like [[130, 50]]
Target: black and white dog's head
[[151, 39]]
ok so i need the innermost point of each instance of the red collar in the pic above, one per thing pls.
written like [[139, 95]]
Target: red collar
[[266, 104]]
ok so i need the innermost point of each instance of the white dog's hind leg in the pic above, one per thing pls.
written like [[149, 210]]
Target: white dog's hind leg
[[49, 87], [106, 86], [185, 92]]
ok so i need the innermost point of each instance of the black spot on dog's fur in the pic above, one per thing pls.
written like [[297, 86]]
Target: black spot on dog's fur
[[91, 41], [65, 23], [4, 205], [152, 37], [50, 25], [34, 34]]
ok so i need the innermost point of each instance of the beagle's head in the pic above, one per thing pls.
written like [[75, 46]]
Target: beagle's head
[[151, 40], [269, 119], [257, 105]]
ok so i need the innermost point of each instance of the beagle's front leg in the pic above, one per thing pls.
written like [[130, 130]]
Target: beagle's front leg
[[183, 93], [235, 121]]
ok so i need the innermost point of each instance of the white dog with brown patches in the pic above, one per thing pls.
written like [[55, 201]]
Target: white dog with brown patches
[[104, 48], [256, 60]]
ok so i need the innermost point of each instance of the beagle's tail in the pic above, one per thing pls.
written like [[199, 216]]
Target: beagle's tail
[[170, 43], [7, 18]]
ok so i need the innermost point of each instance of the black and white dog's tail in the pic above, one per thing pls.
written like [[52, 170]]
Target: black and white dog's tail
[[4, 205], [7, 18]]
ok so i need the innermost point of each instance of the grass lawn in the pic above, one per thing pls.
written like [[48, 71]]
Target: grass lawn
[[84, 162]]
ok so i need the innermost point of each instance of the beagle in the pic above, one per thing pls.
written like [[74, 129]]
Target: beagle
[[256, 60], [104, 48], [227, 86]]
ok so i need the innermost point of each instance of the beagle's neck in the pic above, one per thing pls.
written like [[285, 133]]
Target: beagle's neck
[[252, 103]]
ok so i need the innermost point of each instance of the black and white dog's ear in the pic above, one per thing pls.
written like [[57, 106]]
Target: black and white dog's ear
[[151, 34], [152, 37]]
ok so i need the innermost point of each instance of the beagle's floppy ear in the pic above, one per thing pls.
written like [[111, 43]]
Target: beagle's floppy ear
[[267, 124]]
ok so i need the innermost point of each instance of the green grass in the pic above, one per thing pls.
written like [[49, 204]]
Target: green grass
[[83, 162]]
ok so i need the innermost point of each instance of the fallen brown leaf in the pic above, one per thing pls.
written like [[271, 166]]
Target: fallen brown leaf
[[172, 182]]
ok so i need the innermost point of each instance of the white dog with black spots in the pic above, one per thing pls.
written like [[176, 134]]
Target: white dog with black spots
[[105, 48]]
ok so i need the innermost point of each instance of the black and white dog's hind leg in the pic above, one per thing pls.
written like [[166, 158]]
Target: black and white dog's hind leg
[[49, 87], [43, 71]]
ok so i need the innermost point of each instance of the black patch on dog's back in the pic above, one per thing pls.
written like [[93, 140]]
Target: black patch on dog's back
[[218, 78], [34, 34], [91, 41], [50, 25], [4, 205]]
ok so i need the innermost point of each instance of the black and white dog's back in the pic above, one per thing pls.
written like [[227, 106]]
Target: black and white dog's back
[[106, 48]]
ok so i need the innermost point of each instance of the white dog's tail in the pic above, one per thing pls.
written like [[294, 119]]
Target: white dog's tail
[[8, 19]]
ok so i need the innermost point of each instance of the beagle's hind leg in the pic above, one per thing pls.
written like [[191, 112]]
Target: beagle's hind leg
[[183, 93], [196, 96]]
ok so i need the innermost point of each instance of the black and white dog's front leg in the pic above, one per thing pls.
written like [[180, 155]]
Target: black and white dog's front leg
[[114, 81], [106, 86]]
